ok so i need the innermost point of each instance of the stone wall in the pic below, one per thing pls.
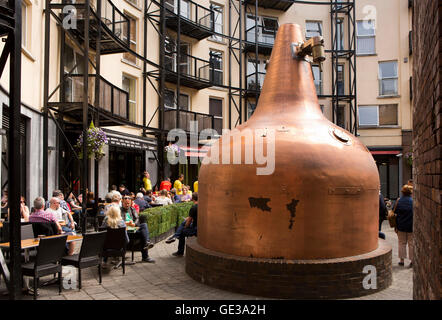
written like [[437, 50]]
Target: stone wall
[[427, 35]]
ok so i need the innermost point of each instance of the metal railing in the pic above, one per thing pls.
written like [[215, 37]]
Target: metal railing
[[251, 81], [115, 20], [205, 121], [266, 36], [193, 12], [112, 99], [189, 66]]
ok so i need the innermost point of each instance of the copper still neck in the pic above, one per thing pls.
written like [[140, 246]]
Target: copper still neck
[[289, 92]]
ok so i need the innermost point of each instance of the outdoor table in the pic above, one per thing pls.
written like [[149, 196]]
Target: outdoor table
[[33, 243]]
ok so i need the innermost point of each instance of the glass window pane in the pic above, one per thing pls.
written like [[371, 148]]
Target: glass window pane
[[313, 29], [388, 114], [216, 107], [366, 28], [184, 102], [366, 45], [340, 116], [388, 87], [388, 69], [169, 98], [368, 116]]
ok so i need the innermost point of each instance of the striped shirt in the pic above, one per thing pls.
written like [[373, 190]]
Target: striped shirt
[[42, 216]]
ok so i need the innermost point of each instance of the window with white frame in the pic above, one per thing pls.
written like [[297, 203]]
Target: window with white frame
[[317, 77], [382, 115], [340, 34], [170, 100], [130, 85], [388, 78], [216, 110], [218, 18], [313, 29], [366, 37], [132, 38]]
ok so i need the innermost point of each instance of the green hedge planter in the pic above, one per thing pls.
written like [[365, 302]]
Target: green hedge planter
[[161, 219]]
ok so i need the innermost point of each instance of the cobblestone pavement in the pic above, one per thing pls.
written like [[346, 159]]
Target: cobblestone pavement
[[166, 279]]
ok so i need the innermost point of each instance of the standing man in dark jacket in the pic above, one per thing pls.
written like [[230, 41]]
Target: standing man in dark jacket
[[382, 214], [404, 224]]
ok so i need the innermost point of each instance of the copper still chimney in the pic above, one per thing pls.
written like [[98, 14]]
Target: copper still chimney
[[320, 202]]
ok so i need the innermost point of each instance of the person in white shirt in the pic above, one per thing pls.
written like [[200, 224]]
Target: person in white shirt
[[61, 214], [163, 199]]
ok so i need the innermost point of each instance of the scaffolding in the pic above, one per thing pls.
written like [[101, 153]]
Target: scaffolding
[[104, 29], [10, 27]]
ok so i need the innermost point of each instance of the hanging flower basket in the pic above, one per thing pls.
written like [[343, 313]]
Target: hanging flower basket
[[96, 139]]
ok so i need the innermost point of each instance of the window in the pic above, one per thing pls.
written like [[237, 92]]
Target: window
[[73, 64], [317, 77], [341, 85], [216, 67], [218, 21], [383, 115], [133, 39], [340, 116], [313, 29], [170, 102], [253, 67], [269, 29], [340, 34], [366, 37], [172, 5], [388, 78], [250, 109], [129, 85], [216, 110]]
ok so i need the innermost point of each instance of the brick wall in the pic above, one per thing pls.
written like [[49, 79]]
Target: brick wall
[[427, 51]]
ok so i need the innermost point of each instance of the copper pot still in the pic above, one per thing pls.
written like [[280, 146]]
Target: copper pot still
[[320, 202]]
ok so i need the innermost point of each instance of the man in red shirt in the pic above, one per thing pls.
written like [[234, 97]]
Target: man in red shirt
[[166, 185]]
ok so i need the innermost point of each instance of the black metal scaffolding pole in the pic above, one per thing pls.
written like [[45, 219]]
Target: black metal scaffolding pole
[[14, 172]]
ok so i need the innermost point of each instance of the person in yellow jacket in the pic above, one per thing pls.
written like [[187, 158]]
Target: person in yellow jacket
[[195, 186], [178, 184], [146, 181]]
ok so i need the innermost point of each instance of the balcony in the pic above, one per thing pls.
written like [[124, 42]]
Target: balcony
[[6, 18], [205, 121], [283, 5], [265, 39], [113, 101], [194, 72], [254, 87], [115, 26], [197, 21]]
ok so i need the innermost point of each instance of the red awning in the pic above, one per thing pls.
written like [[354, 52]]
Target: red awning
[[392, 152], [199, 152]]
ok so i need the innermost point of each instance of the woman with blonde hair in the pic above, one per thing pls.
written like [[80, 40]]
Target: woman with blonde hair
[[404, 224], [113, 220]]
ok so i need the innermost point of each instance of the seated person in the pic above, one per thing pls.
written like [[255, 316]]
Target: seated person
[[133, 204], [128, 213], [113, 220], [40, 215], [62, 215], [115, 201], [131, 218], [174, 197], [24, 210], [163, 199], [187, 229], [148, 196], [186, 196], [142, 204]]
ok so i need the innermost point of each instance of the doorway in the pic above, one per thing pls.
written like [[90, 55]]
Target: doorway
[[126, 166]]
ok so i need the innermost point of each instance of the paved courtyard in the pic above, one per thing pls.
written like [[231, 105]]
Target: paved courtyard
[[166, 279]]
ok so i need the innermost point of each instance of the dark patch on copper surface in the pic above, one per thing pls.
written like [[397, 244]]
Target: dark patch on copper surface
[[292, 208], [260, 203]]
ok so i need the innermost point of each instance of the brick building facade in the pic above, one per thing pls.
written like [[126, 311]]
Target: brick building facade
[[427, 43]]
